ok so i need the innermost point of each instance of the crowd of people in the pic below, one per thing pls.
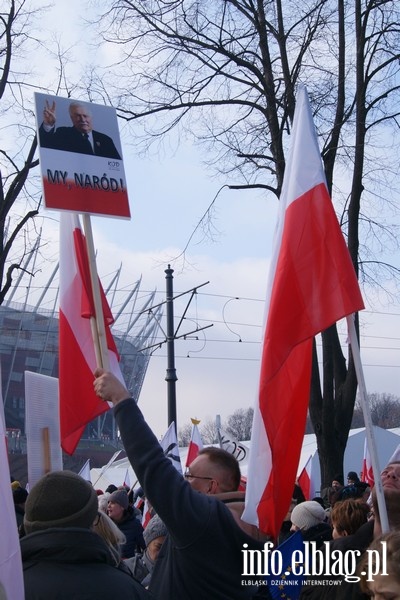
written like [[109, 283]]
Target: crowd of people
[[78, 542]]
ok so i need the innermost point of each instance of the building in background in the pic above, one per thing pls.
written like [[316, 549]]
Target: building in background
[[29, 342]]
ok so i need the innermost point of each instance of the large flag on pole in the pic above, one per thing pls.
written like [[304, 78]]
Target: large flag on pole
[[312, 284], [78, 403]]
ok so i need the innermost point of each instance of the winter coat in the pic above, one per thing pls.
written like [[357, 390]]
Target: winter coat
[[73, 563], [132, 529]]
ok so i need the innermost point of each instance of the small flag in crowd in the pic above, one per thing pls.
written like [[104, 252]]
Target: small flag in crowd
[[196, 443], [304, 480], [367, 472]]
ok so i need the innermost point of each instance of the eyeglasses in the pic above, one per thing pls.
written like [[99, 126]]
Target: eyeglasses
[[189, 476]]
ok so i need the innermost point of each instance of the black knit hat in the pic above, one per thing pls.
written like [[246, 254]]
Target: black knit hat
[[60, 499], [352, 475]]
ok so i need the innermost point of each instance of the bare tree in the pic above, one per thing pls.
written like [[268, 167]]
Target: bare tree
[[385, 411], [17, 155], [239, 424], [227, 73], [209, 432], [184, 435]]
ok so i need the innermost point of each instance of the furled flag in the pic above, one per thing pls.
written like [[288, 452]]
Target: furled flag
[[78, 403], [196, 443], [304, 479], [11, 576], [312, 284]]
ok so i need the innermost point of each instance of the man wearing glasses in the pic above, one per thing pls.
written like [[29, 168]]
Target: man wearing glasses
[[202, 556]]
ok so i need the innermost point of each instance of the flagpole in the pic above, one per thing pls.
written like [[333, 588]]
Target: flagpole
[[97, 323], [355, 350], [107, 466]]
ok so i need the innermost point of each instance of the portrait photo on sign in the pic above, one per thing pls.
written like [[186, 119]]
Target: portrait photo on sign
[[77, 126], [80, 156]]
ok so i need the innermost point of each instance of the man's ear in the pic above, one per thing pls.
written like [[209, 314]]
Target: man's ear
[[213, 487]]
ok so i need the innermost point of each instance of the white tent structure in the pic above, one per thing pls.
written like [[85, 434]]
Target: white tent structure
[[386, 441]]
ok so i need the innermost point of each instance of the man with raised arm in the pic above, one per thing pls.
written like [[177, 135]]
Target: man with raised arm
[[202, 556]]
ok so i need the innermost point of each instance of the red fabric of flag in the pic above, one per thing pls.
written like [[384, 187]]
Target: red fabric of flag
[[77, 360], [367, 471], [312, 284]]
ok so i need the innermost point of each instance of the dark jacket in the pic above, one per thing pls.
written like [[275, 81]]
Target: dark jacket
[[336, 587], [132, 529], [202, 557], [318, 533], [73, 563], [70, 139]]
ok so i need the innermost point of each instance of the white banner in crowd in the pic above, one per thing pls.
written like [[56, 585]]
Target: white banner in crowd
[[42, 424], [11, 578]]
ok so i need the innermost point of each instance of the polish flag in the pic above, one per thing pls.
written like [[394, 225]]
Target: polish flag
[[196, 443], [367, 473], [304, 479], [312, 285], [78, 403]]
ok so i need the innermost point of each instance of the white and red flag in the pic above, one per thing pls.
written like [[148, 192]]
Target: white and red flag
[[195, 445], [78, 403], [312, 284], [367, 473]]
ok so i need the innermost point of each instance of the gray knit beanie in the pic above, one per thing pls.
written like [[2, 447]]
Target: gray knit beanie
[[60, 499], [120, 497], [307, 514], [155, 528]]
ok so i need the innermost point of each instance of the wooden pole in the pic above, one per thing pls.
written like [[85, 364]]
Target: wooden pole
[[369, 432], [46, 450], [97, 322]]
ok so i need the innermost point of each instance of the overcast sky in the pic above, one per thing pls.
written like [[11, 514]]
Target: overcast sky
[[218, 372]]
